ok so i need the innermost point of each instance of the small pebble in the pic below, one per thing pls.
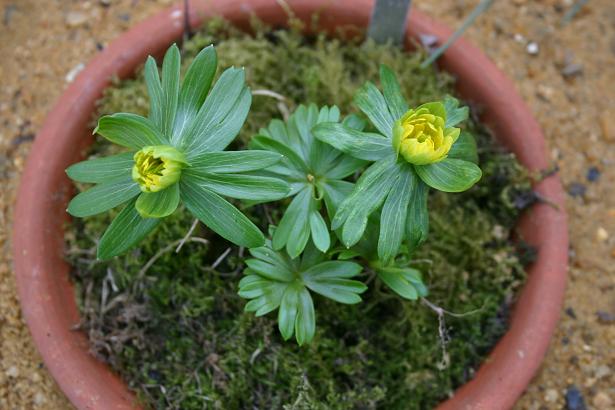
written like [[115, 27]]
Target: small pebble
[[39, 399], [576, 189], [12, 371], [601, 234], [551, 395], [75, 18], [574, 399], [593, 174], [572, 69], [605, 318], [602, 401], [532, 48], [430, 42], [570, 312], [603, 371]]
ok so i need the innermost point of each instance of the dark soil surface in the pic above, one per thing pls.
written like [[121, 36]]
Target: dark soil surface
[[568, 84]]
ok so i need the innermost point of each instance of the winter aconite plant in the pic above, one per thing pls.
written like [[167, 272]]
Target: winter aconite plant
[[353, 196], [176, 154], [315, 171]]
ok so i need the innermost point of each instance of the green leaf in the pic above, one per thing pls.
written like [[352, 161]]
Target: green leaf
[[361, 145], [249, 187], [343, 166], [305, 323], [267, 254], [330, 279], [288, 312], [125, 232], [194, 89], [406, 282], [154, 89], [393, 218], [129, 130], [226, 97], [331, 270], [102, 169], [294, 228], [417, 221], [270, 271], [392, 93], [230, 162], [158, 204], [355, 122], [464, 148], [454, 113], [170, 89], [103, 197], [368, 194], [449, 175], [219, 215], [220, 136], [372, 103], [270, 144], [334, 193], [270, 298], [320, 232]]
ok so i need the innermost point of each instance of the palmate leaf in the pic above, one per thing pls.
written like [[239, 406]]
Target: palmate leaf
[[275, 281], [185, 121], [401, 189], [313, 169]]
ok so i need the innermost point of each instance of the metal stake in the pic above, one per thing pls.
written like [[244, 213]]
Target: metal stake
[[388, 21]]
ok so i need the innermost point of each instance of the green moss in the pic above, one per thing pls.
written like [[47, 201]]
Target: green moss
[[176, 332]]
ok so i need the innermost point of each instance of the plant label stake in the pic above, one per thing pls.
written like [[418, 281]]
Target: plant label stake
[[388, 21]]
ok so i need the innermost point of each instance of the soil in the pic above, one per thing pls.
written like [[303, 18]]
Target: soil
[[566, 76]]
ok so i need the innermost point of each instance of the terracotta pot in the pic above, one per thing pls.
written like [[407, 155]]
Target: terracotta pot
[[46, 293]]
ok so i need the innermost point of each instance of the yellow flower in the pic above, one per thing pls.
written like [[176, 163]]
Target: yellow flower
[[157, 167], [420, 136]]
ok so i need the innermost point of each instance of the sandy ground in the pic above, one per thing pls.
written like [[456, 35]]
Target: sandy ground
[[565, 73]]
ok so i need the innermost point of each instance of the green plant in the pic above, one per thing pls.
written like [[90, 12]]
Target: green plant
[[315, 172], [276, 281], [382, 353], [179, 155], [412, 150], [310, 157]]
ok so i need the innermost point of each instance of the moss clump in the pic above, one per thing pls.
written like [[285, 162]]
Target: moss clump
[[175, 329]]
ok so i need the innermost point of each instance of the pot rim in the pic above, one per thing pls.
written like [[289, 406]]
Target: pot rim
[[42, 275]]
